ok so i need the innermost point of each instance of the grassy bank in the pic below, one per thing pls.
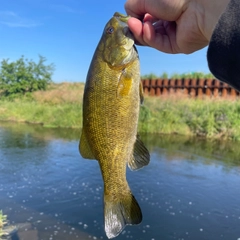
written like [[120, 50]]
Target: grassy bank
[[61, 106], [208, 118]]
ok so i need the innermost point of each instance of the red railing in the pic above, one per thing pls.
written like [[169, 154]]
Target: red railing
[[188, 87]]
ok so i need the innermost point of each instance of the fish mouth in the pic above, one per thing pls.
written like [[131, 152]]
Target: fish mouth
[[128, 33], [123, 18]]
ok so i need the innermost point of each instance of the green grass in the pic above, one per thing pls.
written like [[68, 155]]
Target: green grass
[[61, 106], [49, 115], [207, 118]]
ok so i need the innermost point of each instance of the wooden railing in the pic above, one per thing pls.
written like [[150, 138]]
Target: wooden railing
[[188, 87]]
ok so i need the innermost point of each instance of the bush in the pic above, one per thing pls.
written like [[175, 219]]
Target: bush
[[3, 221], [23, 76]]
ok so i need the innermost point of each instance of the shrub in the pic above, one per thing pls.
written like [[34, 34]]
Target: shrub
[[24, 76], [3, 221]]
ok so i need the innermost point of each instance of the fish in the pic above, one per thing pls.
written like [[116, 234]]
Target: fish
[[111, 103]]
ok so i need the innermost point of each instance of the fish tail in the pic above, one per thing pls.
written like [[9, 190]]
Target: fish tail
[[120, 212]]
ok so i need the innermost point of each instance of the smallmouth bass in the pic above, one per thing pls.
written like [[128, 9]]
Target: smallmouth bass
[[111, 104]]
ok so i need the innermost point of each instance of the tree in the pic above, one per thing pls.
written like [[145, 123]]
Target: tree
[[24, 76]]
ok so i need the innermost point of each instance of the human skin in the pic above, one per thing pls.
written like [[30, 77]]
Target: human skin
[[174, 26]]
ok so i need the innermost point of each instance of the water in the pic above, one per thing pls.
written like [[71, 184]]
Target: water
[[190, 190]]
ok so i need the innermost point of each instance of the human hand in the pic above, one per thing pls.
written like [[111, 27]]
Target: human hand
[[174, 26]]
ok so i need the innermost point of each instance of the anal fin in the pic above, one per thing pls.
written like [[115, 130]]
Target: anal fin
[[140, 156]]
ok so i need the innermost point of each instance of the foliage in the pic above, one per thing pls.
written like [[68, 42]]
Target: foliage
[[23, 76], [197, 75], [149, 76], [176, 76], [164, 75], [3, 221]]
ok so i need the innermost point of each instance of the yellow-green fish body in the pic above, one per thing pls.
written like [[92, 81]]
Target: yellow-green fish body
[[111, 105]]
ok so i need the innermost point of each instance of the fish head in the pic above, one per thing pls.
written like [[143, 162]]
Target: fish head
[[117, 42]]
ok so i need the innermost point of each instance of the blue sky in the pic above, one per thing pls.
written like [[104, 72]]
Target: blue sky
[[67, 32]]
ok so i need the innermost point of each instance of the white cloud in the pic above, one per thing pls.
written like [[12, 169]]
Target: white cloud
[[11, 19], [63, 8]]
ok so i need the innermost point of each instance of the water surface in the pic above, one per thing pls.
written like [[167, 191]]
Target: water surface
[[190, 190]]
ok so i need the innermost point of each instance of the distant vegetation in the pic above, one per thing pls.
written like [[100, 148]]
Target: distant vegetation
[[61, 106], [177, 76], [24, 76], [28, 95]]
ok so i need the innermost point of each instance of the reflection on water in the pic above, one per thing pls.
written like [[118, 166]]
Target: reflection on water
[[190, 190]]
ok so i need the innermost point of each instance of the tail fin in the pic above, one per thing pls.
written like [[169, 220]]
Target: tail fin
[[125, 210]]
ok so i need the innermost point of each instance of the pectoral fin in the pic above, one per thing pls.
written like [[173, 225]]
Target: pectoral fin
[[124, 84], [140, 157], [84, 147]]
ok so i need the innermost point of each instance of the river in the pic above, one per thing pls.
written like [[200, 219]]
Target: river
[[190, 189]]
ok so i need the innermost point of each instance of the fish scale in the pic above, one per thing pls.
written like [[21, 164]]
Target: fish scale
[[111, 105]]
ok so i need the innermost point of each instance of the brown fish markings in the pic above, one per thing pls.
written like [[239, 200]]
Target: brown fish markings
[[111, 105]]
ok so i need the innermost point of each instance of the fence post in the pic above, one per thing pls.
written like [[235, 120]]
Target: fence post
[[224, 90], [165, 86], [216, 85], [158, 86], [152, 87], [186, 85], [146, 86], [233, 93], [208, 87], [193, 86], [172, 86], [200, 87], [179, 85]]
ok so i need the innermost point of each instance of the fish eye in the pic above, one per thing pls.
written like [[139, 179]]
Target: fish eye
[[110, 30]]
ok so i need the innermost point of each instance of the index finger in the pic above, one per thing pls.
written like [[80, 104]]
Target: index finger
[[134, 9], [168, 10]]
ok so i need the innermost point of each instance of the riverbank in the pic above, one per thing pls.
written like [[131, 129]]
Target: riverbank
[[61, 106]]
